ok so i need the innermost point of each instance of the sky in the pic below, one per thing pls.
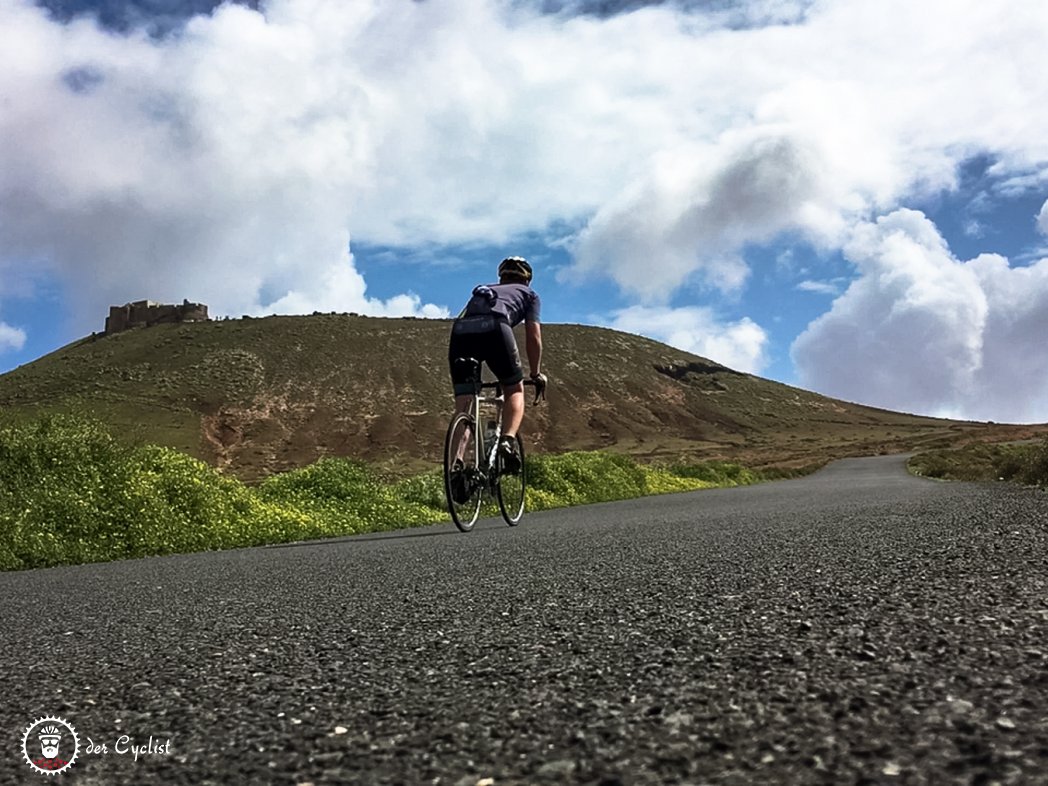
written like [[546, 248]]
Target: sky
[[849, 196]]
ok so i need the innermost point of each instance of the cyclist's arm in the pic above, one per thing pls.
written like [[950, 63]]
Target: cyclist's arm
[[533, 345]]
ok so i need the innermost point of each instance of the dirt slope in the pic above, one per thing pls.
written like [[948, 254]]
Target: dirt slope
[[256, 396]]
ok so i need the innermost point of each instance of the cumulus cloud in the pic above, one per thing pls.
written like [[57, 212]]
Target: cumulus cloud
[[221, 164], [928, 333], [819, 287], [233, 160], [239, 152], [11, 338], [332, 288], [1042, 219], [812, 127], [693, 212], [739, 345]]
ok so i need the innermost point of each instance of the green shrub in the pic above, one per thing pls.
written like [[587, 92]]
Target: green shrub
[[342, 496], [583, 477], [1027, 464], [1010, 465], [716, 473], [662, 481], [586, 477], [1019, 463], [973, 462], [70, 492], [187, 506], [59, 477], [425, 490], [1037, 473]]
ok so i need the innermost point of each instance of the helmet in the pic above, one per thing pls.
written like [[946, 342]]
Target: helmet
[[515, 266]]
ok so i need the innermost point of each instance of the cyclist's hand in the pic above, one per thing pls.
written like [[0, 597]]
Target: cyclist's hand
[[540, 380]]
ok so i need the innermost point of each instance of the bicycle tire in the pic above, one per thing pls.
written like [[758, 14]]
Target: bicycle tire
[[465, 512], [512, 488]]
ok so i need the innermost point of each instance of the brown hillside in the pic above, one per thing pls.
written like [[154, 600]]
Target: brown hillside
[[256, 396]]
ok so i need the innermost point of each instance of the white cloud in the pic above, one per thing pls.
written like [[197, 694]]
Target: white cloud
[[232, 162], [220, 165], [819, 287], [340, 284], [819, 123], [694, 211], [739, 345], [1042, 219], [927, 333], [11, 338]]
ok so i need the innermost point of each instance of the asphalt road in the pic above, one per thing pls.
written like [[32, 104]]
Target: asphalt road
[[857, 626]]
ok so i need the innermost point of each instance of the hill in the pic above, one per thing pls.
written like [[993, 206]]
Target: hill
[[255, 396]]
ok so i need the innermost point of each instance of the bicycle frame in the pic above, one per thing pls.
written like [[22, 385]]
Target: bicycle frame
[[486, 463]]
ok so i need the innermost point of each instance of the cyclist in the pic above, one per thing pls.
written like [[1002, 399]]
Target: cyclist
[[484, 330]]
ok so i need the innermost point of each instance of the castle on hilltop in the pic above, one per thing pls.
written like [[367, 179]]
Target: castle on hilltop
[[143, 313]]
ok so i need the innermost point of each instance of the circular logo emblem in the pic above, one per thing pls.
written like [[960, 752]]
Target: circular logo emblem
[[50, 745]]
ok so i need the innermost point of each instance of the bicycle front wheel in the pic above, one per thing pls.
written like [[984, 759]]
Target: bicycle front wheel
[[461, 486], [511, 489]]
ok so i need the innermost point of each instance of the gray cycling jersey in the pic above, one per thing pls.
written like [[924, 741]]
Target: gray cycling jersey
[[513, 302]]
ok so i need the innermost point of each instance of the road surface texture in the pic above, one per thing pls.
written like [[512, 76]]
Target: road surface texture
[[859, 626]]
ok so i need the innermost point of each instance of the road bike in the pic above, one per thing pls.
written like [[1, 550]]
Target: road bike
[[473, 465]]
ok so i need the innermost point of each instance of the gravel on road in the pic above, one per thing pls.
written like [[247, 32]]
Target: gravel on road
[[859, 626]]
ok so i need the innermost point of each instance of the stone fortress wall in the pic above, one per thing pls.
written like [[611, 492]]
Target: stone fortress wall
[[143, 313]]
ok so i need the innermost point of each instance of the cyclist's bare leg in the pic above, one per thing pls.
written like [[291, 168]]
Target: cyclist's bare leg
[[462, 404], [512, 409]]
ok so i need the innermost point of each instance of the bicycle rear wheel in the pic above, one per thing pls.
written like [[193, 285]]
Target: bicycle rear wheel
[[461, 487], [511, 489]]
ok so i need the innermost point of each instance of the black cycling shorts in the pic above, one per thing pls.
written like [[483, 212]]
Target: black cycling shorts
[[489, 339]]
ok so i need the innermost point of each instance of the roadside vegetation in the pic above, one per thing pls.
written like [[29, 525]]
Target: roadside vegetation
[[1025, 463], [71, 492]]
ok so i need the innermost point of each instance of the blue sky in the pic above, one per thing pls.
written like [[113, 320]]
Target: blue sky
[[847, 196]]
